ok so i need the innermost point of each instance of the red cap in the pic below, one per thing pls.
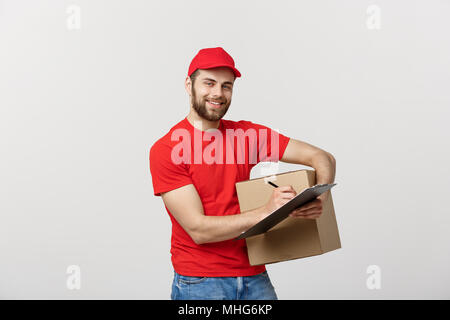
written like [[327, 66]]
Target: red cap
[[211, 58]]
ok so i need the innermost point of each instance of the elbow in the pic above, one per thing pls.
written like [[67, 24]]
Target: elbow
[[197, 238], [322, 157], [197, 234], [332, 158]]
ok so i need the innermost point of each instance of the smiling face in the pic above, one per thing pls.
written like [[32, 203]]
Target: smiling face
[[211, 92]]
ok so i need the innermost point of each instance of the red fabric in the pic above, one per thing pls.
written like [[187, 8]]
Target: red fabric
[[215, 184], [211, 58]]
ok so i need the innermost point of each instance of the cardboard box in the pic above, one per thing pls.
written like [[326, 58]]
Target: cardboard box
[[293, 238]]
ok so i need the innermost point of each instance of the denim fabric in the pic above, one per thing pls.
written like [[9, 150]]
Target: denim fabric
[[258, 287]]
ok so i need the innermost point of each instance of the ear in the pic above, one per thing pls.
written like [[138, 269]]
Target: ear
[[188, 85]]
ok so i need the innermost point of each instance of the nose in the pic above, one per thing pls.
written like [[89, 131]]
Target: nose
[[216, 91]]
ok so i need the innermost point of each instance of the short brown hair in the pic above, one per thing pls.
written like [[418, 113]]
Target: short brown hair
[[194, 76]]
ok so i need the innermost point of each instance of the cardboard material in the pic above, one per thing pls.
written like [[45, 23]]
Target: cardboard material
[[292, 238]]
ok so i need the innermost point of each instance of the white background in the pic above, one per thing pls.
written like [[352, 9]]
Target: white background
[[80, 109]]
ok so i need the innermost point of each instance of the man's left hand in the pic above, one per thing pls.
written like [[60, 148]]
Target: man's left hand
[[311, 210]]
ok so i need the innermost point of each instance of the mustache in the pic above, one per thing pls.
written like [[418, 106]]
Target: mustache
[[216, 100]]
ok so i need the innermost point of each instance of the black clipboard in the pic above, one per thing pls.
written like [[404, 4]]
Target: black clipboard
[[307, 195]]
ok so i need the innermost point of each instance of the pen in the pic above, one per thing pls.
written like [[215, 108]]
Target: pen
[[273, 184]]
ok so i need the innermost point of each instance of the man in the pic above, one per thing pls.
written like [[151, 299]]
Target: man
[[198, 188]]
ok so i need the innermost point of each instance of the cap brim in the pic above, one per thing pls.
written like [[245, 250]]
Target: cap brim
[[235, 71]]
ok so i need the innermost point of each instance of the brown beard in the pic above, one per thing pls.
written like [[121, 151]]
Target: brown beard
[[202, 111]]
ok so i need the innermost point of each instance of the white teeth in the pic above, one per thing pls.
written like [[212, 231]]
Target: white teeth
[[214, 102]]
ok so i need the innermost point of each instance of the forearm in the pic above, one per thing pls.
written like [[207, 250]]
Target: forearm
[[220, 228]]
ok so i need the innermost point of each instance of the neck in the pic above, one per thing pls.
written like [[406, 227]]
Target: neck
[[201, 123]]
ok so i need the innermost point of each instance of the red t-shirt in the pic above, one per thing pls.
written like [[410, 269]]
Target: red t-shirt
[[215, 184]]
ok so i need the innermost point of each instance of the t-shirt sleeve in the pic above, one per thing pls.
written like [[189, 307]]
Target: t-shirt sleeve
[[271, 143], [166, 175]]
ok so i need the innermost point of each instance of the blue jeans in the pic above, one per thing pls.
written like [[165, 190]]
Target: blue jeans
[[256, 287]]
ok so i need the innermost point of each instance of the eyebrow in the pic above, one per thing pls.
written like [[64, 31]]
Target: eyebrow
[[226, 82]]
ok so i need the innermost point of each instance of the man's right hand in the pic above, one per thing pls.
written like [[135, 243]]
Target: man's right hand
[[279, 197]]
